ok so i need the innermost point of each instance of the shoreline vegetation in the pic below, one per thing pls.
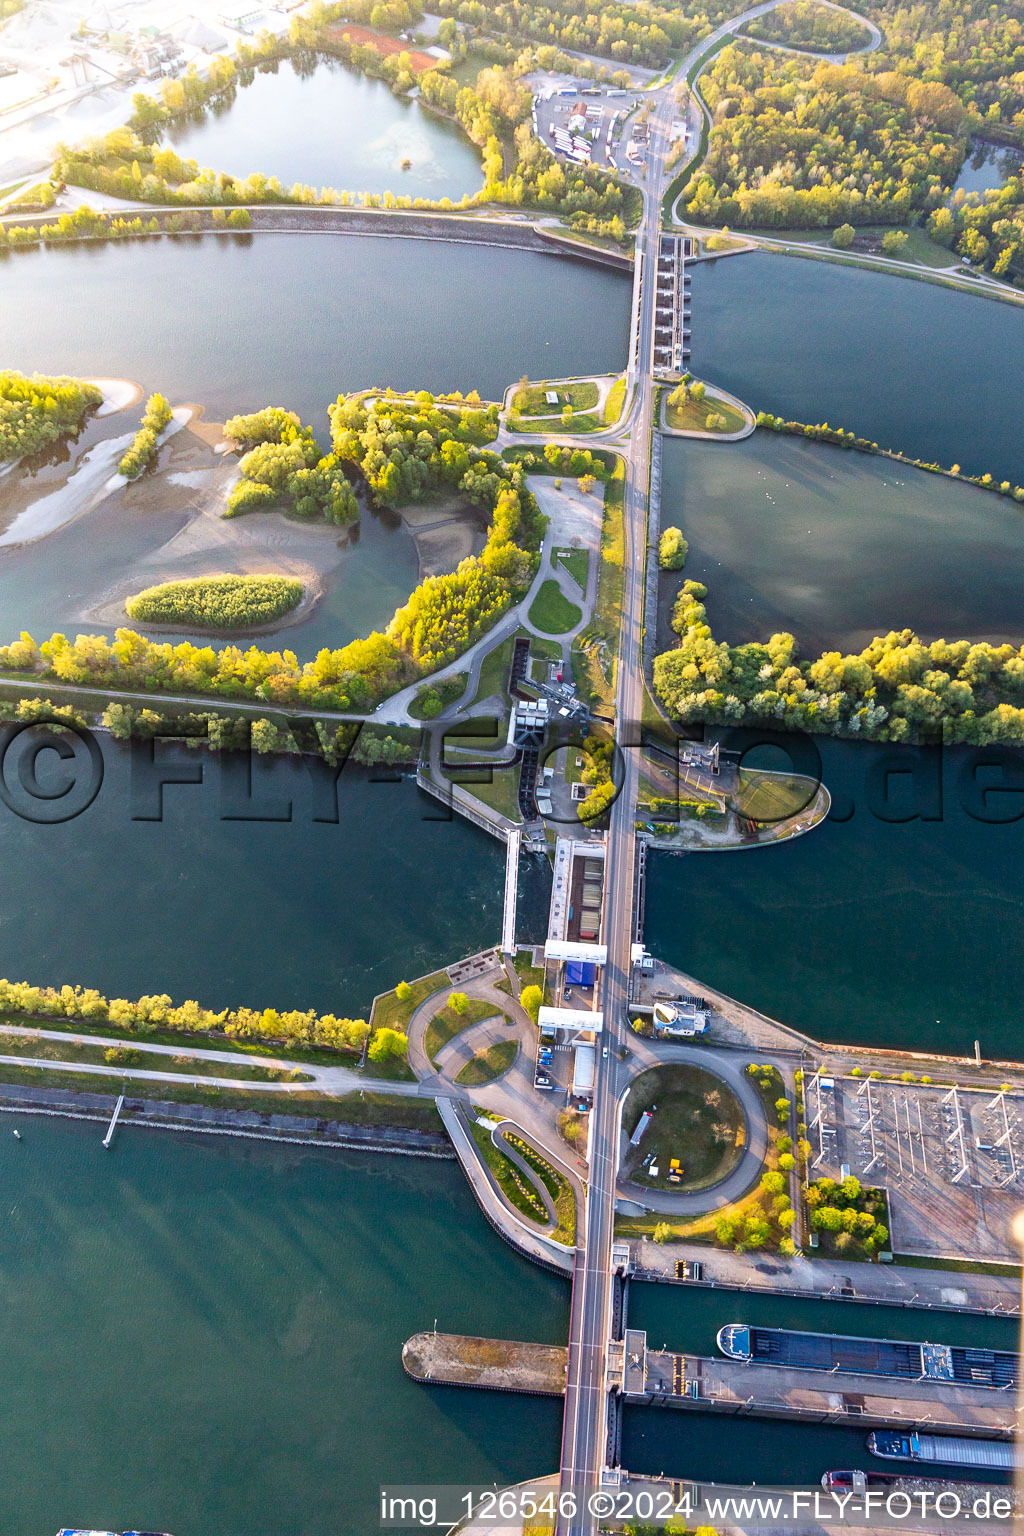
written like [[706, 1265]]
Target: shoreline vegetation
[[39, 410], [494, 113], [897, 689], [823, 433]]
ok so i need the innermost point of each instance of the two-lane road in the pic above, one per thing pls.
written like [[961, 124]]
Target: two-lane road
[[584, 1444]]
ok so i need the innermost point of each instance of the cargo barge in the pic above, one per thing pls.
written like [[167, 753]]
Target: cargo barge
[[946, 1450], [949, 1364]]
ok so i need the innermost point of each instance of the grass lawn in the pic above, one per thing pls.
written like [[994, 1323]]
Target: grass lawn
[[447, 690], [920, 246], [531, 400], [692, 416], [487, 1065], [140, 1059], [961, 1266], [552, 612], [548, 650], [594, 652], [772, 797], [615, 401], [513, 1185], [554, 425], [577, 563], [494, 669], [530, 975], [353, 1108], [393, 1012], [698, 1120], [446, 1024], [501, 793]]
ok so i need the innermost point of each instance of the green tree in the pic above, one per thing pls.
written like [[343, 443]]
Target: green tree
[[662, 1232], [532, 999], [388, 1043], [842, 238], [672, 549], [894, 242]]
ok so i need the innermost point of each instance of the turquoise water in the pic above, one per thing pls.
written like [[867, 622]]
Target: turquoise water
[[330, 127], [910, 365], [837, 547], [203, 1336]]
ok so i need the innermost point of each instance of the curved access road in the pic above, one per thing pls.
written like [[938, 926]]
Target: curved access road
[[727, 1068]]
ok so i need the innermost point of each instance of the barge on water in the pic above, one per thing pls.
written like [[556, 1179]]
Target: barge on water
[[951, 1364], [946, 1450]]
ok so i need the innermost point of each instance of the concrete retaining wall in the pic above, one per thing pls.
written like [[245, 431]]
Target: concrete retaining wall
[[206, 1119]]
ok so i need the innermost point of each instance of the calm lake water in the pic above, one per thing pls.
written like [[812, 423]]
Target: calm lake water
[[988, 166], [909, 365], [837, 547], [332, 128], [204, 1336], [873, 929]]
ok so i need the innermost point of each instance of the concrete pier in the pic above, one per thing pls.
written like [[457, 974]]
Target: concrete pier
[[513, 843], [501, 1365]]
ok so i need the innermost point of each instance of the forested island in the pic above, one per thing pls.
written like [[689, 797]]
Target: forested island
[[217, 602]]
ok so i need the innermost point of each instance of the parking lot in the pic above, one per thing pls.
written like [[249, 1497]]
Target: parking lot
[[582, 122], [951, 1159]]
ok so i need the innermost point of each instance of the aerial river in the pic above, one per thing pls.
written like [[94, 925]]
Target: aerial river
[[206, 1337]]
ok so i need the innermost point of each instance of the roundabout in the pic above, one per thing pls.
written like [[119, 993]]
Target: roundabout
[[705, 1136]]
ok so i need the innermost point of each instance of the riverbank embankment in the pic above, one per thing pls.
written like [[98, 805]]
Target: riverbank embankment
[[212, 1120], [457, 229]]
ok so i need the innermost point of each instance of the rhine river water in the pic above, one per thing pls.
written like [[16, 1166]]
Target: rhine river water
[[204, 1336], [215, 1329]]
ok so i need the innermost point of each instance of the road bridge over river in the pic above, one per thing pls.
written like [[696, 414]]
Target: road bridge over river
[[585, 1431]]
